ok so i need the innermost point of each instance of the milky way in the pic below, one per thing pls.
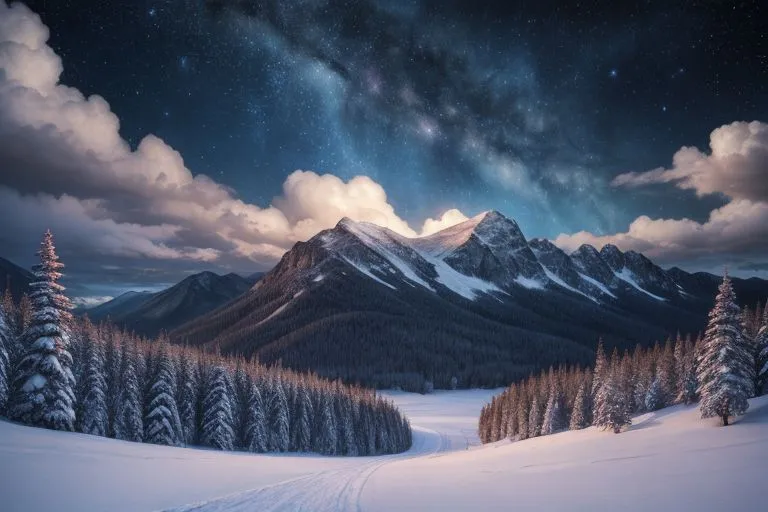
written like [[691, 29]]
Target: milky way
[[529, 108]]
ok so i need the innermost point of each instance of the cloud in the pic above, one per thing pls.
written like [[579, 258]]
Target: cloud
[[737, 168], [448, 219], [65, 167], [91, 301]]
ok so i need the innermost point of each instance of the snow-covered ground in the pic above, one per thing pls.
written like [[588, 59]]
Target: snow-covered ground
[[668, 460]]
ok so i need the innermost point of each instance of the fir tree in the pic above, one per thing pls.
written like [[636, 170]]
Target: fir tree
[[188, 388], [5, 371], [725, 368], [217, 428], [601, 365], [256, 423], [580, 414], [761, 353], [534, 418], [302, 433], [161, 422], [92, 402], [326, 429], [654, 399], [43, 388], [128, 419], [279, 422], [612, 412]]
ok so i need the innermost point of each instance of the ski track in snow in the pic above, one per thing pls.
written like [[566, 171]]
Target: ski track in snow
[[336, 490]]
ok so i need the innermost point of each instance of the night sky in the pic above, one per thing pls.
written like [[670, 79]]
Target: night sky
[[530, 108]]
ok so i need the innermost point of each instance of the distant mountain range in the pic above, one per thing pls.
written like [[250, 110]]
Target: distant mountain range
[[14, 276], [149, 313], [476, 301]]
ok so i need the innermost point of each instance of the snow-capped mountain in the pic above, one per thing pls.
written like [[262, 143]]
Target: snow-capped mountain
[[474, 299]]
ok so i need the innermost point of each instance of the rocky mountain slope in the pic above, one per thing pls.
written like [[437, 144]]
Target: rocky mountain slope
[[475, 304]]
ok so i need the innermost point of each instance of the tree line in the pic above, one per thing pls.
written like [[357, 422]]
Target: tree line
[[720, 370], [68, 374]]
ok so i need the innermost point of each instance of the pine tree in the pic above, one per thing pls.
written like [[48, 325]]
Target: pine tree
[[534, 418], [5, 370], [302, 433], [666, 375], [279, 422], [256, 422], [188, 388], [654, 399], [14, 346], [601, 365], [43, 388], [128, 417], [580, 415], [161, 422], [612, 412], [326, 428], [761, 353], [92, 400], [687, 375], [554, 414], [217, 429], [725, 369]]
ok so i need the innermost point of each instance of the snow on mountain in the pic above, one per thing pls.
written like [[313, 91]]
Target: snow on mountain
[[391, 247], [626, 275]]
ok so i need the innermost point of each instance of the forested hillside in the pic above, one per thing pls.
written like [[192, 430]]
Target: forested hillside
[[64, 373]]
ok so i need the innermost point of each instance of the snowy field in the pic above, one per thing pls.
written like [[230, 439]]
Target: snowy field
[[668, 460]]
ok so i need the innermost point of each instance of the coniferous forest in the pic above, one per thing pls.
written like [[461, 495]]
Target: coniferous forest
[[721, 370], [65, 373]]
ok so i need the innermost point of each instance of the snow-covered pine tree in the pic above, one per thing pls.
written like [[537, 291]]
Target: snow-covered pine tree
[[601, 367], [43, 386], [326, 428], [5, 370], [612, 413], [188, 387], [217, 428], [666, 375], [687, 375], [523, 411], [725, 367], [761, 352], [302, 433], [14, 346], [279, 421], [128, 419], [654, 399], [256, 422], [113, 374], [161, 421], [534, 418], [346, 443], [580, 414], [553, 420], [92, 399], [242, 394]]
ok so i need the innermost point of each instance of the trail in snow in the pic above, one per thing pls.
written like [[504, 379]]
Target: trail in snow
[[442, 422], [336, 490]]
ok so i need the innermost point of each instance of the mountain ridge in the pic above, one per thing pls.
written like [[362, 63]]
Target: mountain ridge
[[363, 303]]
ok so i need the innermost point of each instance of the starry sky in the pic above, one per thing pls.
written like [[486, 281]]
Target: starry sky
[[554, 113]]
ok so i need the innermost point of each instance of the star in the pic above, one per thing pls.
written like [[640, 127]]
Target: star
[[152, 12], [613, 73]]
